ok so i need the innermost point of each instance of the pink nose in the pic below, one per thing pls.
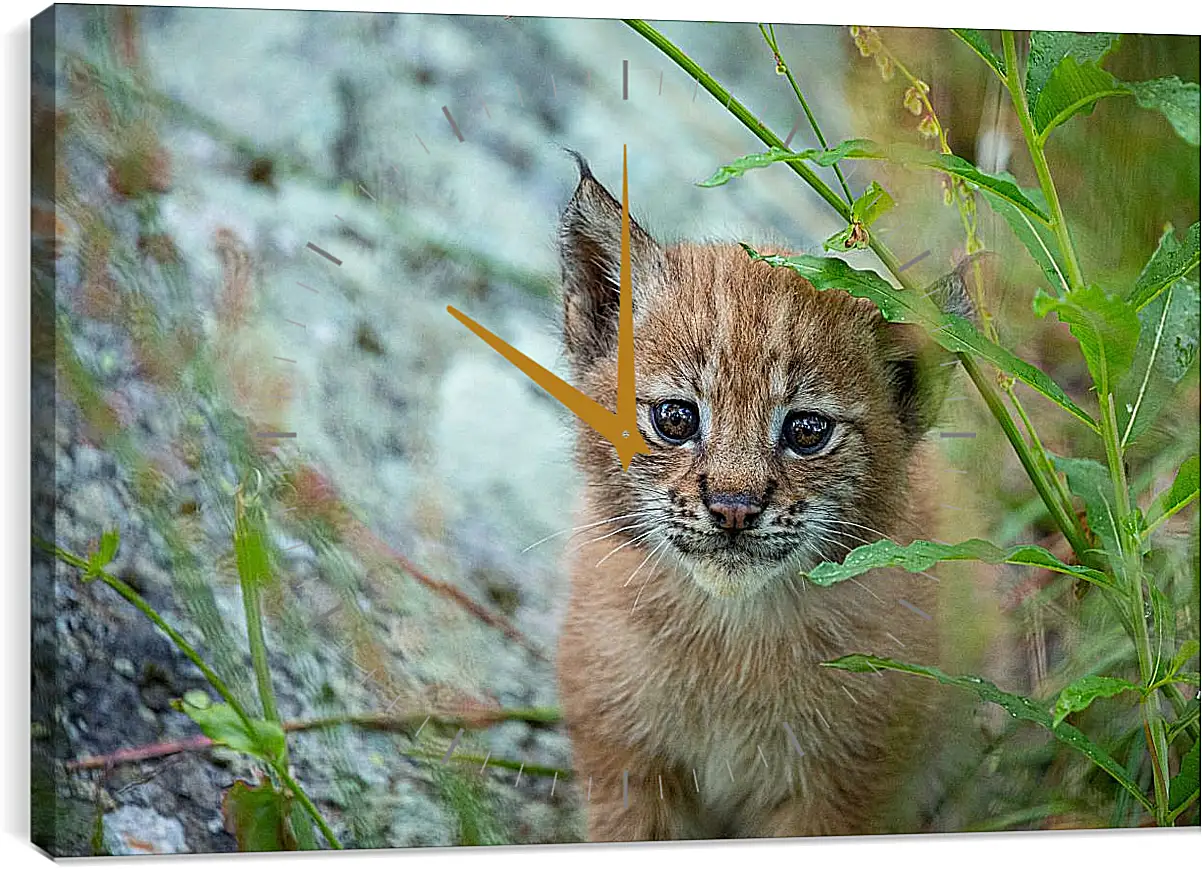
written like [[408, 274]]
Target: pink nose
[[733, 513]]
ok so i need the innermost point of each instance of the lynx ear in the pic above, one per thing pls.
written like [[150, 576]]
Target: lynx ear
[[590, 247], [917, 367]]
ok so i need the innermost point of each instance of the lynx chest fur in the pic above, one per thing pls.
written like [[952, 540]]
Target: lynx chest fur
[[786, 429]]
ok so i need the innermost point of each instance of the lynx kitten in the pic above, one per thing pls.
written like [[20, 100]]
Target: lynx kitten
[[786, 428]]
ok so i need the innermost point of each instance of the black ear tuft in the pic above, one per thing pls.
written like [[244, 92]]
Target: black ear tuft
[[917, 381], [951, 292], [590, 246], [917, 367]]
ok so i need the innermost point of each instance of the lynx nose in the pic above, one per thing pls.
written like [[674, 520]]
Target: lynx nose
[[733, 512]]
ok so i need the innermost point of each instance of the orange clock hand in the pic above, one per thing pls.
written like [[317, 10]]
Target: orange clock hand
[[618, 429]]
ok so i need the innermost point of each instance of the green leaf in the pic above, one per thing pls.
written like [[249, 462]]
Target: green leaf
[[1050, 47], [1016, 705], [1178, 101], [866, 149], [109, 541], [950, 331], [222, 724], [1037, 238], [264, 820], [1090, 480], [1184, 785], [1171, 260], [871, 204], [978, 43], [957, 334], [1073, 87], [921, 555], [1081, 693], [1168, 345], [1183, 491], [1188, 650], [1106, 328]]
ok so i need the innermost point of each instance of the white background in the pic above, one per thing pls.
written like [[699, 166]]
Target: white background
[[1048, 850]]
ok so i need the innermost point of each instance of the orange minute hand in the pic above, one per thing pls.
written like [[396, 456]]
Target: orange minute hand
[[620, 428]]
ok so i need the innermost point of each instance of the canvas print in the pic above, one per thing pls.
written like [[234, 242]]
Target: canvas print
[[488, 430]]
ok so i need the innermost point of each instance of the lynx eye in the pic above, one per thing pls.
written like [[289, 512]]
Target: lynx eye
[[806, 432], [676, 421]]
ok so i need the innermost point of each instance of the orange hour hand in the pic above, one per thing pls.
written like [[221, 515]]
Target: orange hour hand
[[620, 428]]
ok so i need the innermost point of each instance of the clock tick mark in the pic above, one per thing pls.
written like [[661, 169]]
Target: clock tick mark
[[486, 112], [451, 748], [957, 434], [277, 435], [554, 782], [906, 604], [367, 192], [730, 771], [420, 727], [486, 757], [554, 90], [454, 127], [307, 287], [324, 253], [285, 359], [625, 80], [793, 132], [696, 784], [625, 788], [796, 744], [906, 265], [895, 640], [294, 323], [518, 781], [420, 142]]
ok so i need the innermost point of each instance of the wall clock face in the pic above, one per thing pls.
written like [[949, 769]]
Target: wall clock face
[[410, 484]]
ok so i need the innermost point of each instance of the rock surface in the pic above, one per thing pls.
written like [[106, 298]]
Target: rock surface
[[289, 128]]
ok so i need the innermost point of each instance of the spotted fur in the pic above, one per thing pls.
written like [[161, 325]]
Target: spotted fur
[[687, 649]]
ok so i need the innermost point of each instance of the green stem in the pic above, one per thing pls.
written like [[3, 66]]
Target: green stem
[[1041, 454], [250, 549], [1019, 98], [1064, 519], [281, 770], [1132, 570], [1066, 523], [769, 35], [126, 592], [726, 98]]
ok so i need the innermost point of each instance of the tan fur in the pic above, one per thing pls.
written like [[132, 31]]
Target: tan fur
[[681, 665]]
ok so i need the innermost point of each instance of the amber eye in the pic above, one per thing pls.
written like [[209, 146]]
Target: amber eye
[[806, 432], [676, 421]]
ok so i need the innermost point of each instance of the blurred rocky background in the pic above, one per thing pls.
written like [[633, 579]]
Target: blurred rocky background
[[190, 159]]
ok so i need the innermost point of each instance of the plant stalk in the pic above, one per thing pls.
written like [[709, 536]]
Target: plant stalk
[[1019, 98], [769, 34], [1132, 569], [126, 592], [251, 553], [1066, 523]]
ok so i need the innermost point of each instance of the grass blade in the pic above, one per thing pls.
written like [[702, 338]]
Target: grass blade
[[1016, 705]]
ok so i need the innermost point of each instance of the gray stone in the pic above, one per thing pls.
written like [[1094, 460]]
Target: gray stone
[[134, 830]]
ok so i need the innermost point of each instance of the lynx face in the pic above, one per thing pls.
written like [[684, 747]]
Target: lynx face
[[780, 418]]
